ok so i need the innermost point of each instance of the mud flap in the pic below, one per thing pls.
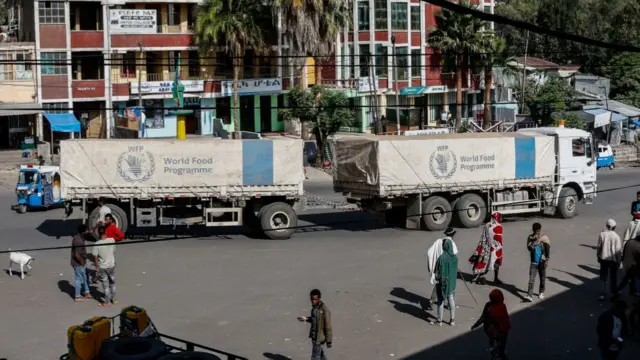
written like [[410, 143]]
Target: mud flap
[[414, 212]]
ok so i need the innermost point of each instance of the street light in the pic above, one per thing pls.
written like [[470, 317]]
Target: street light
[[395, 79]]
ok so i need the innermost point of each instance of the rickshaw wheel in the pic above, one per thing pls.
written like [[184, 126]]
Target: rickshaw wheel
[[22, 208]]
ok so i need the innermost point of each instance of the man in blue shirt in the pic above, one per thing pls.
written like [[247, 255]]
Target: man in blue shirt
[[539, 247]]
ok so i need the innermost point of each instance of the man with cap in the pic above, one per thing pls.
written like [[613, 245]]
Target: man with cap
[[609, 252], [433, 254]]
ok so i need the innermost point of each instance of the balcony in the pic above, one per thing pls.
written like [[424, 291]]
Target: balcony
[[86, 25], [87, 39], [343, 84]]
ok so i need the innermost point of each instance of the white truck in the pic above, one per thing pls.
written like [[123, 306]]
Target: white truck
[[428, 181], [212, 182]]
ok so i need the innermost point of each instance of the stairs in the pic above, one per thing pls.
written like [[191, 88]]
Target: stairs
[[626, 155]]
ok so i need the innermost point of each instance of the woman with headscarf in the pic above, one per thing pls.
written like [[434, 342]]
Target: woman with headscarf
[[446, 276], [497, 323], [488, 254]]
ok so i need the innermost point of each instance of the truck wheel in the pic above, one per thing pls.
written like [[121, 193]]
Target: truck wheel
[[437, 213], [190, 355], [251, 220], [133, 348], [568, 203], [22, 208], [612, 166], [470, 210], [118, 214], [278, 221]]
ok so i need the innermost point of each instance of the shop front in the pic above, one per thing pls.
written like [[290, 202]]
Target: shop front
[[260, 100], [18, 123]]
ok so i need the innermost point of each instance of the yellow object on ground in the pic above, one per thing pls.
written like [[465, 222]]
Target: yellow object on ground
[[101, 330], [182, 127], [81, 343]]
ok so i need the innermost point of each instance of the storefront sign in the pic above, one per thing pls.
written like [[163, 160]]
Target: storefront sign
[[125, 21], [435, 89], [253, 87], [165, 87], [365, 84], [86, 88]]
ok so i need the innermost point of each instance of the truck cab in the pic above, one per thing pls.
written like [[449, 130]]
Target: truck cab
[[576, 166]]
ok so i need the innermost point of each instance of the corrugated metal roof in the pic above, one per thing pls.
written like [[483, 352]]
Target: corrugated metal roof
[[596, 111]]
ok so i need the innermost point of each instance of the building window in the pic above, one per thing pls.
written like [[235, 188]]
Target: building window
[[448, 63], [381, 61], [128, 67], [363, 16], [380, 8], [399, 16], [402, 62], [55, 108], [173, 60], [365, 55], [415, 18], [352, 62], [416, 63], [173, 14], [51, 12], [54, 63], [194, 64]]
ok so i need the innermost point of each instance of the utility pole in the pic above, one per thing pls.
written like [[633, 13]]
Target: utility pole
[[395, 79], [374, 100], [139, 61], [524, 68]]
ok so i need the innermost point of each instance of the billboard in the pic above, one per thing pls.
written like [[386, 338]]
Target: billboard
[[133, 21]]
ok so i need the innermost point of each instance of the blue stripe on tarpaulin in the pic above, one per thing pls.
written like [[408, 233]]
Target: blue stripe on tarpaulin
[[525, 158], [257, 162]]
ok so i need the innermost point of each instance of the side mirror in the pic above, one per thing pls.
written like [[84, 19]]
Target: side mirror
[[590, 162]]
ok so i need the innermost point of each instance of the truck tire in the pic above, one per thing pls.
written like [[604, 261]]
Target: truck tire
[[118, 214], [278, 221], [470, 210], [567, 203], [22, 208], [437, 213], [133, 348], [190, 355]]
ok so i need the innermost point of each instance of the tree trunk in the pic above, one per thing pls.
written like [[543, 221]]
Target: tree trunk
[[320, 142], [318, 71], [488, 79], [458, 96], [236, 101]]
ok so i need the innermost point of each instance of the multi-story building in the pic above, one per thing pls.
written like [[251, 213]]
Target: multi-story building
[[18, 105], [101, 59], [420, 79]]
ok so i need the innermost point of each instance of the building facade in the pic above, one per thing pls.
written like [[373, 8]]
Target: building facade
[[420, 80]]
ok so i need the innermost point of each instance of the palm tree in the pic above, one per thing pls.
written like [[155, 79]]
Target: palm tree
[[459, 35], [495, 54], [311, 27], [235, 25]]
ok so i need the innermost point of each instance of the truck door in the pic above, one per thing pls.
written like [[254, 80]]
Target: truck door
[[576, 161]]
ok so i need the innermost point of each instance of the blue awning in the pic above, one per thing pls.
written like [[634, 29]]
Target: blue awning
[[63, 122], [636, 123]]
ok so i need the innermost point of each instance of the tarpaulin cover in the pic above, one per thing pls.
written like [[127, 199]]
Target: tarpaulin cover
[[63, 122]]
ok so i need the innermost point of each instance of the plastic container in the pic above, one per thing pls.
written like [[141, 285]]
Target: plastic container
[[101, 331], [133, 321], [80, 343]]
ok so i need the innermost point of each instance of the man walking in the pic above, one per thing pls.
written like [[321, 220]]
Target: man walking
[[609, 251], [320, 332], [78, 262], [539, 247], [612, 329], [104, 257]]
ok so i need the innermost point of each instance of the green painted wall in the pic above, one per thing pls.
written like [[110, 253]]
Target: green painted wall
[[256, 113]]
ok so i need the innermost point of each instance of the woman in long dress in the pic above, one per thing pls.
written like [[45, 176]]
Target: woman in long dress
[[488, 254]]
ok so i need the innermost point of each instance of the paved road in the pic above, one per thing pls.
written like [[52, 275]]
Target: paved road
[[242, 295]]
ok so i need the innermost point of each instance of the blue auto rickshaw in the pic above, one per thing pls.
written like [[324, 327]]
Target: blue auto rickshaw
[[38, 187], [605, 157]]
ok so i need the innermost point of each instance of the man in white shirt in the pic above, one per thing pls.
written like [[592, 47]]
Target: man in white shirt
[[609, 250], [104, 210], [104, 252]]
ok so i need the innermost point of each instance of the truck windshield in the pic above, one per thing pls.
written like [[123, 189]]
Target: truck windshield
[[28, 177]]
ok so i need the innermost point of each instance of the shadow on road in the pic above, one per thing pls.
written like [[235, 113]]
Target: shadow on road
[[66, 287], [271, 356], [561, 327], [59, 228]]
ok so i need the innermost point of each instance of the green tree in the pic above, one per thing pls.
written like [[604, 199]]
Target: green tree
[[624, 73], [495, 54], [325, 116], [311, 27], [459, 35], [550, 101], [235, 26]]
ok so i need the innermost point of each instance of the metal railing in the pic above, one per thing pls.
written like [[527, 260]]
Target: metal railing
[[175, 29]]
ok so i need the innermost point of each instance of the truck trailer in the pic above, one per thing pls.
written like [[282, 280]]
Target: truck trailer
[[162, 182], [429, 181]]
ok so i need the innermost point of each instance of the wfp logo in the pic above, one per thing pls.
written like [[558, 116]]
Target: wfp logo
[[443, 162], [136, 165]]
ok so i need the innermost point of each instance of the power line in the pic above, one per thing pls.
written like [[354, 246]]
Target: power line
[[132, 242]]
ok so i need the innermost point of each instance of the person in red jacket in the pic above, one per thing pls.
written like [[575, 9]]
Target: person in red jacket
[[497, 323], [111, 229]]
